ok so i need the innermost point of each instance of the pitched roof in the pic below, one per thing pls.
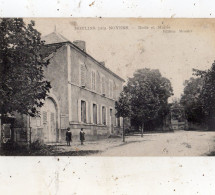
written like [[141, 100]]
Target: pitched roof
[[54, 37], [58, 39]]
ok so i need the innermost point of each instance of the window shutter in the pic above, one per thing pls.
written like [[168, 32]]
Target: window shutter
[[97, 114], [87, 112], [101, 119], [91, 115], [93, 80], [114, 90], [106, 115], [83, 75], [111, 89], [79, 110], [103, 85]]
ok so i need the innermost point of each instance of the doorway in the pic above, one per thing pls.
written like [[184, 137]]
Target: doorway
[[49, 118]]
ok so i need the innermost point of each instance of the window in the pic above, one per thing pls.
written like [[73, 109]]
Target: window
[[83, 111], [93, 80], [111, 89], [111, 117], [103, 115], [83, 75], [103, 85], [94, 113], [114, 90]]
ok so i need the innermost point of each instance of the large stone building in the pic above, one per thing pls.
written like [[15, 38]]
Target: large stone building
[[83, 94]]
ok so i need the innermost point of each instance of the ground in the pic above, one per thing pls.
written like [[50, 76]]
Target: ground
[[178, 143]]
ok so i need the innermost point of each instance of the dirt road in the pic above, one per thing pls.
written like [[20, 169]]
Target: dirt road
[[179, 143]]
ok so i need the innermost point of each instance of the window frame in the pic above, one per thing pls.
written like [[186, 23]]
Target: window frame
[[103, 86], [93, 80], [80, 113], [82, 67], [103, 119], [92, 115]]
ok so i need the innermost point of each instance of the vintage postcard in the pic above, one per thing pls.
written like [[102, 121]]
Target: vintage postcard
[[107, 87]]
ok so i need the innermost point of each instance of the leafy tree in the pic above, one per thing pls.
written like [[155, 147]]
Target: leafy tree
[[148, 93], [177, 111], [22, 83], [192, 101], [123, 108], [207, 95]]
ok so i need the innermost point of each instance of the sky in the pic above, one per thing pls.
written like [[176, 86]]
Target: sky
[[174, 46]]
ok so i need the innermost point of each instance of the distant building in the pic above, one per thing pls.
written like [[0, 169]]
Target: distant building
[[83, 94]]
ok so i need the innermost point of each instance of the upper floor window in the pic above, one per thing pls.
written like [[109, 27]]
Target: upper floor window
[[111, 89], [83, 75], [93, 80], [103, 85], [114, 90]]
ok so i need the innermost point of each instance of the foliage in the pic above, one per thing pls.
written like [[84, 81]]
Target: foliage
[[177, 111], [122, 106], [207, 94], [37, 145], [22, 83], [146, 95], [191, 100], [208, 91]]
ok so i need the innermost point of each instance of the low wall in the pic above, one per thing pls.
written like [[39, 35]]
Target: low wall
[[193, 126]]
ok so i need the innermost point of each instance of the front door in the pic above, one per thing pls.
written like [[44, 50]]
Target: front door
[[49, 115]]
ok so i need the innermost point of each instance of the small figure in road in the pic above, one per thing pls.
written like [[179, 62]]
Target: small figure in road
[[68, 136], [82, 138]]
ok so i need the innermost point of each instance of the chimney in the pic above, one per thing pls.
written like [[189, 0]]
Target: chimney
[[80, 44], [102, 63]]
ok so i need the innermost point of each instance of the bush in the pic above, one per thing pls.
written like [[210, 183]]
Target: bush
[[37, 145]]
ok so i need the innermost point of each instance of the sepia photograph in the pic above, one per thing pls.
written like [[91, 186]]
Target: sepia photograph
[[132, 87]]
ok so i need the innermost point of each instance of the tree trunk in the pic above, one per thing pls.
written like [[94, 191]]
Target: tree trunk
[[123, 132], [142, 130], [28, 132]]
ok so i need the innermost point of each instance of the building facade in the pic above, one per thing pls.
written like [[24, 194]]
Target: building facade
[[83, 94]]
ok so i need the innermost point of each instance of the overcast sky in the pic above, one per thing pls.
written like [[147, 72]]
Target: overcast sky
[[175, 54]]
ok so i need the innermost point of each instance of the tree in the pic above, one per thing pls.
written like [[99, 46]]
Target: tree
[[22, 83], [177, 111], [148, 93], [207, 95], [192, 101], [123, 109]]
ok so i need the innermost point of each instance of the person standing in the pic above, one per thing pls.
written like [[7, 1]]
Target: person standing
[[68, 136], [82, 137]]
